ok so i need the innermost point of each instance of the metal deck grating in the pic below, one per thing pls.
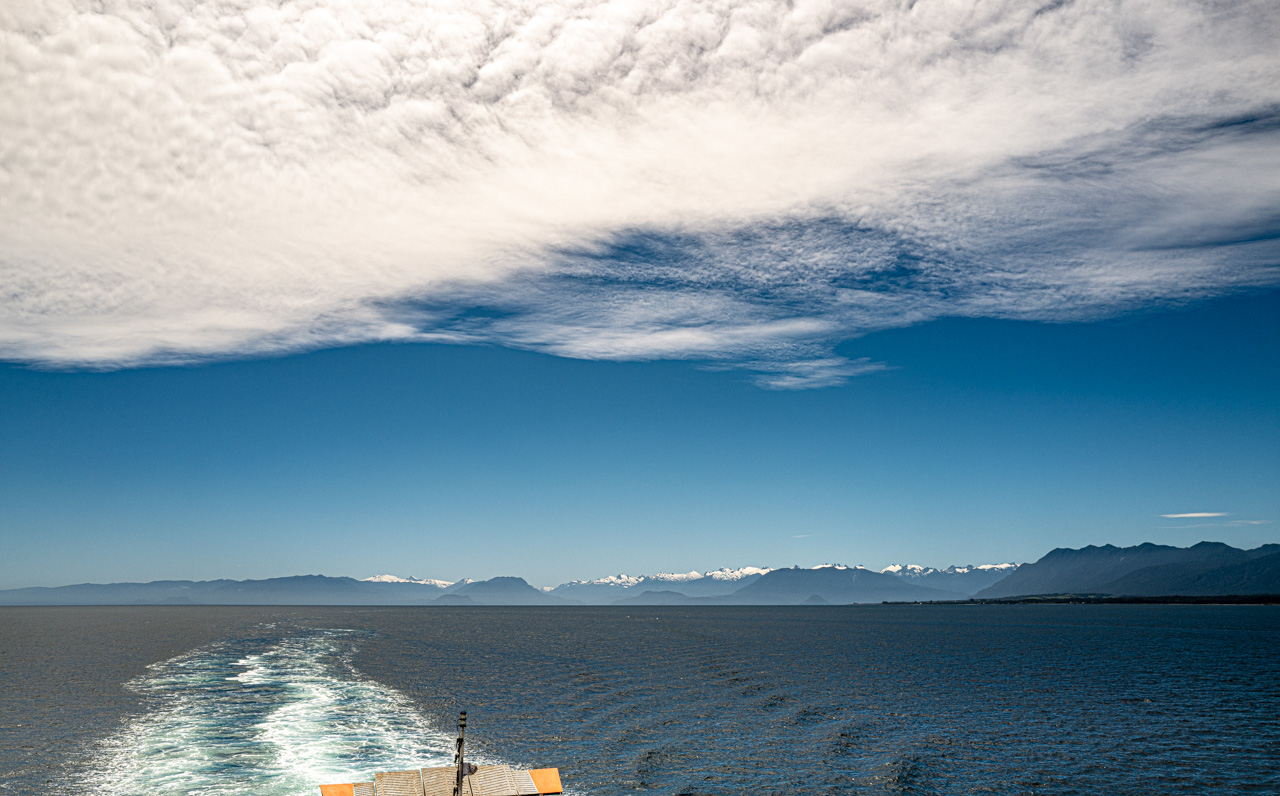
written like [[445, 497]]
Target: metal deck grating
[[524, 783], [439, 781], [493, 781], [398, 783]]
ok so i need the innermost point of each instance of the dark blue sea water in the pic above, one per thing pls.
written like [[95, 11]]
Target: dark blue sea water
[[1019, 699]]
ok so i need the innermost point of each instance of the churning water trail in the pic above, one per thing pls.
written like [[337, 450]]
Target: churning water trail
[[270, 717]]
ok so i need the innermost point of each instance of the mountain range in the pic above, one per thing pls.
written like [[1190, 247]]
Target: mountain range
[[1149, 570], [613, 588], [1206, 569]]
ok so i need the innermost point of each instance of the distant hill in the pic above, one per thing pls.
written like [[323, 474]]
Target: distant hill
[[160, 591], [296, 590], [658, 598], [1207, 568], [840, 585], [500, 591], [1259, 575]]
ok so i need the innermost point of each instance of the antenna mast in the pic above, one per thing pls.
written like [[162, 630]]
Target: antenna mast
[[462, 767]]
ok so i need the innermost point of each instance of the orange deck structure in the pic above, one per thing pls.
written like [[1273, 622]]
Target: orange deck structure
[[485, 781], [546, 780]]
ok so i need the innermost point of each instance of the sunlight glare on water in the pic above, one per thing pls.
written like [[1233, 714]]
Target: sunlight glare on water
[[270, 718]]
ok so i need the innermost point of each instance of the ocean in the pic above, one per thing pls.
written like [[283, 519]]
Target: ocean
[[983, 699]]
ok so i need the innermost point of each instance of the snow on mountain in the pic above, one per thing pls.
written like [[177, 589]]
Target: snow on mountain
[[724, 573], [677, 577], [917, 571], [902, 569], [611, 588], [439, 584], [980, 568], [837, 566], [622, 580]]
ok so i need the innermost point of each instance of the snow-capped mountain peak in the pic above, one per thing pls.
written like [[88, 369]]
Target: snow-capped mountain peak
[[967, 568], [724, 573], [621, 579], [917, 571], [902, 569], [440, 584], [678, 577]]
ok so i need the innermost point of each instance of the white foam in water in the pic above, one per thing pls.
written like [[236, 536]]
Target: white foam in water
[[274, 721]]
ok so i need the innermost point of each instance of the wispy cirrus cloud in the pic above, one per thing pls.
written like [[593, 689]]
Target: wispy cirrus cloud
[[1194, 515], [743, 185], [1209, 515]]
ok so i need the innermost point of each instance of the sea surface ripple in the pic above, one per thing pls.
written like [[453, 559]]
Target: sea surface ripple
[[1095, 700]]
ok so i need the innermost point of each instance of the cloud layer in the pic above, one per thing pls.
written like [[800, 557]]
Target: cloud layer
[[739, 183]]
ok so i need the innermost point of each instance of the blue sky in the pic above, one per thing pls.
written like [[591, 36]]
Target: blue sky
[[983, 440], [567, 287]]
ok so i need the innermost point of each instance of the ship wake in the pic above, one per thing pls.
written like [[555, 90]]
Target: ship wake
[[264, 717]]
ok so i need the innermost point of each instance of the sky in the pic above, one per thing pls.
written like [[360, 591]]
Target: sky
[[983, 441], [557, 289]]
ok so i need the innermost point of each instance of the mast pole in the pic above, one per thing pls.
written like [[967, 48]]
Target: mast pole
[[462, 767]]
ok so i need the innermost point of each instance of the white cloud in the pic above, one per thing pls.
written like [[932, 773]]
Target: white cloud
[[234, 177], [1194, 515]]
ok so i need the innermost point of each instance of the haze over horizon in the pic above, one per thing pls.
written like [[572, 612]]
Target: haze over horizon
[[463, 290]]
